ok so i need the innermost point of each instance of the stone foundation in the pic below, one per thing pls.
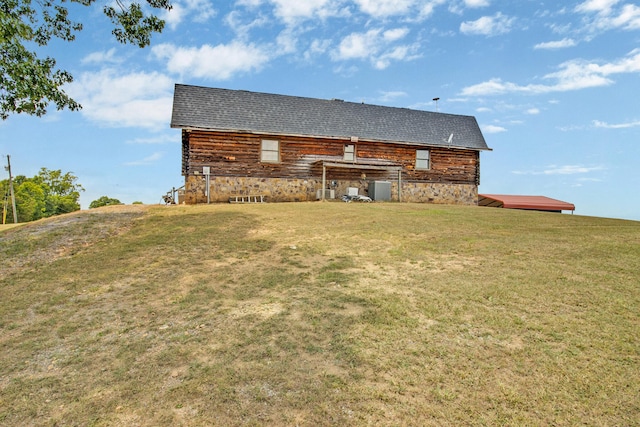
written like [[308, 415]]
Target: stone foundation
[[302, 190], [451, 194]]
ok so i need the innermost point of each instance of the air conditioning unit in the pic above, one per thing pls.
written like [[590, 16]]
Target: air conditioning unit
[[380, 190]]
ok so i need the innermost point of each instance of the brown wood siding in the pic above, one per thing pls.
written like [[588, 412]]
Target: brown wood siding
[[238, 154], [185, 153]]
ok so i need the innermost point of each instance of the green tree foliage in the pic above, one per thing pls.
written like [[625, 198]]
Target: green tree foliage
[[29, 84], [104, 201], [30, 201], [47, 194]]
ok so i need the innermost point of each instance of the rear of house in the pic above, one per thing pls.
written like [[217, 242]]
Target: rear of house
[[284, 148]]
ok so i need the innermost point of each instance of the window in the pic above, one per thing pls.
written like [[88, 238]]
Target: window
[[349, 153], [423, 160], [270, 151]]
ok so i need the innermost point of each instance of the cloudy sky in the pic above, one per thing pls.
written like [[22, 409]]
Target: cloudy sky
[[553, 85]]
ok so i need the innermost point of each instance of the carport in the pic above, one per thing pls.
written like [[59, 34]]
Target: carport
[[536, 203], [364, 166]]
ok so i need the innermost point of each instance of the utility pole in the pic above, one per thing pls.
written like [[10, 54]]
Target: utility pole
[[13, 195]]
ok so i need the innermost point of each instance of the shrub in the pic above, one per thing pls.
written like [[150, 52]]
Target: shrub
[[104, 201]]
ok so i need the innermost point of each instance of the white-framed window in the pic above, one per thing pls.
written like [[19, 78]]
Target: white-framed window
[[270, 151], [423, 159], [349, 153]]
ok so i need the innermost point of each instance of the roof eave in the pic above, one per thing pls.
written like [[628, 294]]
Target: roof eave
[[336, 137]]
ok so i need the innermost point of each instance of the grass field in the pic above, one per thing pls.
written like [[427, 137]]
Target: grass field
[[320, 314]]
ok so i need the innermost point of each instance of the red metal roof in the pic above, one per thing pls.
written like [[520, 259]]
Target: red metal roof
[[539, 203]]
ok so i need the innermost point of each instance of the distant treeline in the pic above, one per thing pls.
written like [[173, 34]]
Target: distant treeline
[[48, 193]]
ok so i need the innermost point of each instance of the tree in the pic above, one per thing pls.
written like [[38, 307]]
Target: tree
[[104, 201], [47, 194], [62, 194], [30, 201], [28, 84]]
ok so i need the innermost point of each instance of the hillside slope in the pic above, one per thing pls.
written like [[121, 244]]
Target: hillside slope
[[320, 314]]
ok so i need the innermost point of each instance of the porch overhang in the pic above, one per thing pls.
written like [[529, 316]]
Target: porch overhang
[[362, 166]]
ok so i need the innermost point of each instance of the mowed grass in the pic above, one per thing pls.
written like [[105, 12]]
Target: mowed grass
[[320, 314]]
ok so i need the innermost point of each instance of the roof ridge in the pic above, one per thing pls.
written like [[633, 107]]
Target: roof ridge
[[262, 112]]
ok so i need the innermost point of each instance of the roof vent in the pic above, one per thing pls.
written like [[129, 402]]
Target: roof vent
[[338, 100]]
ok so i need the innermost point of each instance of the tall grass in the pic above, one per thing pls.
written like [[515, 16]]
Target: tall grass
[[320, 314]]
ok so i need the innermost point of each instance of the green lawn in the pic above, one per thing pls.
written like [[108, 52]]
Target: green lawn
[[320, 314]]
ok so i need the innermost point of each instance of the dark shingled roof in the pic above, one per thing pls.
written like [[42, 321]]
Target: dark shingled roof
[[199, 107]]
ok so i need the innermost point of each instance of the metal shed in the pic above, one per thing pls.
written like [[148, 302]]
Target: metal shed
[[537, 203]]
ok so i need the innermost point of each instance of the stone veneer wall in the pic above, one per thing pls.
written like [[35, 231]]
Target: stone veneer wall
[[300, 190], [452, 194]]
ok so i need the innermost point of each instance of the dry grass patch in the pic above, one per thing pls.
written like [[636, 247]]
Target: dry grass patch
[[321, 314]]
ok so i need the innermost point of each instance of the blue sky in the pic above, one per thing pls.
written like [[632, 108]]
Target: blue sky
[[553, 85]]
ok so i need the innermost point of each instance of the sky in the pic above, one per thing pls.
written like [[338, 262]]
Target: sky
[[555, 87]]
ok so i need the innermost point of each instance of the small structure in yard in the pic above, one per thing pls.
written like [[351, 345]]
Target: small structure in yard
[[537, 203], [240, 145]]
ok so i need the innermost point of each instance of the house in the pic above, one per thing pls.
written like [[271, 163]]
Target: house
[[536, 203], [284, 148]]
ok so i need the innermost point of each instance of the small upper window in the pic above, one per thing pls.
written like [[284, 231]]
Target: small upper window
[[270, 151], [423, 160], [349, 153]]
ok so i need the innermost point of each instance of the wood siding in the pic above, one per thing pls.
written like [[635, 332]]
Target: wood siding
[[238, 155]]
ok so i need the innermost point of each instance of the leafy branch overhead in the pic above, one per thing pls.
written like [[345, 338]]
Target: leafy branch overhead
[[28, 83]]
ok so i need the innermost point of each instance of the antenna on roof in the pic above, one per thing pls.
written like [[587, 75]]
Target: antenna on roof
[[449, 140], [436, 101]]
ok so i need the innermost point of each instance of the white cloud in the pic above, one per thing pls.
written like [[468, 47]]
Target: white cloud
[[234, 20], [605, 125], [533, 111], [387, 96], [317, 47], [376, 46], [488, 25], [413, 9], [562, 170], [384, 8], [426, 9], [493, 129], [287, 41], [398, 53], [219, 62], [358, 45], [153, 158], [202, 10], [572, 75], [629, 18], [294, 11], [101, 57], [249, 3], [175, 16], [558, 44], [199, 10], [395, 34], [598, 6], [130, 100], [608, 17], [172, 138], [476, 3], [570, 169]]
